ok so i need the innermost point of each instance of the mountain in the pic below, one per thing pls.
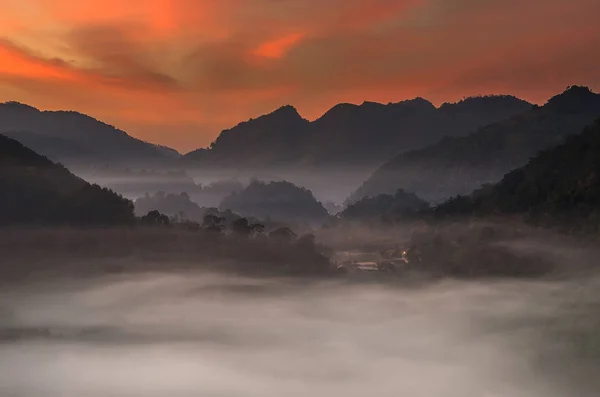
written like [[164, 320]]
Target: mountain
[[384, 205], [458, 165], [280, 201], [34, 190], [561, 183], [170, 204], [270, 139], [74, 138], [349, 135]]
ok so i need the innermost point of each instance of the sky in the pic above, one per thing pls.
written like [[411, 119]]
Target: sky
[[177, 72]]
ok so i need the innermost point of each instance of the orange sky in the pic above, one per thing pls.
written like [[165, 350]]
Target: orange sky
[[176, 72]]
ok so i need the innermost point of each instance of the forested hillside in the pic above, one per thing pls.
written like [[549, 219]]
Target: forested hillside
[[461, 164], [561, 184], [34, 190]]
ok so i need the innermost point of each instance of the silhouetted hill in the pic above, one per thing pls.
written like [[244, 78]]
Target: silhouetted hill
[[73, 138], [34, 190], [279, 201], [384, 205], [461, 164], [170, 204], [350, 135], [269, 139], [562, 184]]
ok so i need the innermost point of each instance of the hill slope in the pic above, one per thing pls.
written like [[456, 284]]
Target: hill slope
[[461, 164], [562, 183], [73, 138], [34, 190], [349, 135], [281, 201], [384, 205]]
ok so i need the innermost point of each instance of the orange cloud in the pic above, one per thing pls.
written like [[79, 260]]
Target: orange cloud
[[16, 63], [164, 68], [277, 48]]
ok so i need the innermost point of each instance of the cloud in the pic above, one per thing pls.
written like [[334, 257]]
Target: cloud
[[278, 47], [214, 63], [115, 53]]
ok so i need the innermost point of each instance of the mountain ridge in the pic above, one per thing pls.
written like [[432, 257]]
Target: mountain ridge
[[36, 191], [559, 184], [348, 133], [51, 132], [458, 165]]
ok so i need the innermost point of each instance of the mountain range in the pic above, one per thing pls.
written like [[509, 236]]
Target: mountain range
[[349, 135], [435, 152], [74, 138], [459, 165]]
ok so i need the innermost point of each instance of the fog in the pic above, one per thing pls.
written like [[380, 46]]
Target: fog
[[201, 334]]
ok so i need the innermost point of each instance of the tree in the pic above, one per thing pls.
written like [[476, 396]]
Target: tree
[[283, 234], [257, 229], [241, 227], [214, 223], [155, 218]]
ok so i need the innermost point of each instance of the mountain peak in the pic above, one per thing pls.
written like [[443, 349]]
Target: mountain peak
[[288, 110], [18, 106], [574, 98], [416, 103]]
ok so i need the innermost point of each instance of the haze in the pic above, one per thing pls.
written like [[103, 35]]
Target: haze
[[200, 334]]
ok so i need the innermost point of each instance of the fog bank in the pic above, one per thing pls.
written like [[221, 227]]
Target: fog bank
[[183, 335]]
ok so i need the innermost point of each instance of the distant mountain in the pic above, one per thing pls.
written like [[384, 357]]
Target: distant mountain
[[269, 139], [280, 201], [74, 138], [349, 135], [34, 190], [458, 165], [170, 204], [562, 183], [384, 205]]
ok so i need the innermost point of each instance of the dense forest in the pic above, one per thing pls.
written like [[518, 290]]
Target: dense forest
[[384, 206], [34, 190], [458, 165], [281, 201], [170, 204], [560, 185]]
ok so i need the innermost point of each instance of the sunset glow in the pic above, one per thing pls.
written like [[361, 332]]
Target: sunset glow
[[176, 72]]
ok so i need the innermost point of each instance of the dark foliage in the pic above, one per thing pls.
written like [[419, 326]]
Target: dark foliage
[[284, 235], [470, 251], [214, 223], [243, 228], [155, 218], [34, 190], [384, 206], [559, 185], [458, 165], [275, 200]]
